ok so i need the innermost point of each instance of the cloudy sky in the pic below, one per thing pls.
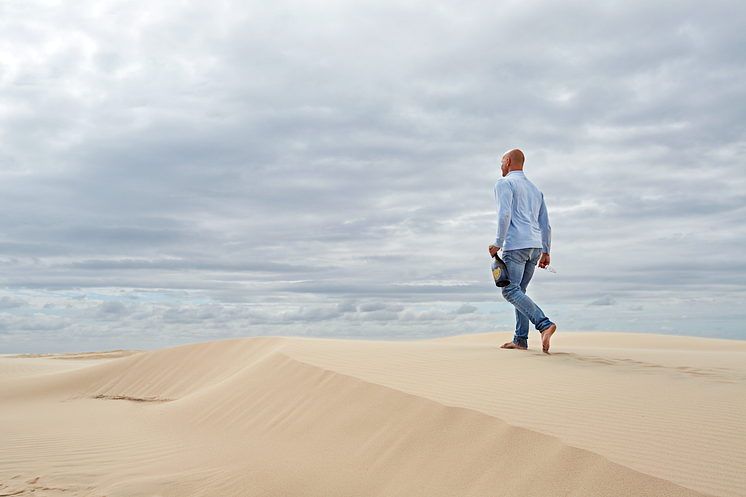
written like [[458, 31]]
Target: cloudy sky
[[182, 171]]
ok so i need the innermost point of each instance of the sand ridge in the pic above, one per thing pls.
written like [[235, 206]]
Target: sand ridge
[[660, 415], [111, 354], [289, 416]]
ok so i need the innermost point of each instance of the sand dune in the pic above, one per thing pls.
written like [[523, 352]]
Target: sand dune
[[604, 414]]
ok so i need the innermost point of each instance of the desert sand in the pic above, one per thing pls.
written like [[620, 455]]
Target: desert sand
[[602, 415]]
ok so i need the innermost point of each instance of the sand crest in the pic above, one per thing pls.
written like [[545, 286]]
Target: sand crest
[[604, 414]]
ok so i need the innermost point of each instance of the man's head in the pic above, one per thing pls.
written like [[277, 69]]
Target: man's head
[[512, 161]]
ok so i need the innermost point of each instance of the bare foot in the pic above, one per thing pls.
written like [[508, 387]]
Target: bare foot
[[511, 345], [546, 335]]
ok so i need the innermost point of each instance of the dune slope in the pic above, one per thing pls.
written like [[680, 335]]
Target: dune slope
[[280, 416]]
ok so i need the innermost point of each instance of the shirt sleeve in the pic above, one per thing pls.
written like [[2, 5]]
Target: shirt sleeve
[[546, 229], [504, 203]]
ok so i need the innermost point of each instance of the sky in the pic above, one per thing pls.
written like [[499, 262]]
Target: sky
[[185, 171]]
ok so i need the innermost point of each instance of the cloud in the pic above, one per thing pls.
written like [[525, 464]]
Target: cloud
[[604, 301], [372, 307], [465, 309], [7, 303], [335, 163], [111, 310], [346, 306], [30, 323]]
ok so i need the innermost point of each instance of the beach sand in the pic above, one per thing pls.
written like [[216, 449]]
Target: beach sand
[[604, 414]]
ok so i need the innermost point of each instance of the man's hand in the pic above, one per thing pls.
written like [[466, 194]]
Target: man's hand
[[494, 250], [544, 261]]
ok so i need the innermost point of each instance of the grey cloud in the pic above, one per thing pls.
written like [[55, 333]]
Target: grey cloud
[[465, 309], [193, 264], [7, 303], [604, 301], [312, 314], [428, 315], [347, 306], [31, 322], [178, 315], [113, 307], [372, 306], [109, 311], [305, 155]]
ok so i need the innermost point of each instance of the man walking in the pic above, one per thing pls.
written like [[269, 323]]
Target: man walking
[[524, 235]]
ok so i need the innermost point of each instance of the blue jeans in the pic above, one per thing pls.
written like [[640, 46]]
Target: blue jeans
[[521, 264]]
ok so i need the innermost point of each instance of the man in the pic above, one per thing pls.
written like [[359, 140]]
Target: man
[[524, 235]]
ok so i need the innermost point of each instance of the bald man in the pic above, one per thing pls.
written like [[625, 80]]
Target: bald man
[[524, 235]]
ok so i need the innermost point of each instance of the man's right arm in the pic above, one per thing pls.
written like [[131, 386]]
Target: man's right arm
[[504, 204]]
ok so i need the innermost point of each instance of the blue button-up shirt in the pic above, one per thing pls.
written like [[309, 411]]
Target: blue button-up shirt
[[522, 220]]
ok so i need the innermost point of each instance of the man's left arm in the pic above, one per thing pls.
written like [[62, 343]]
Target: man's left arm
[[546, 234]]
